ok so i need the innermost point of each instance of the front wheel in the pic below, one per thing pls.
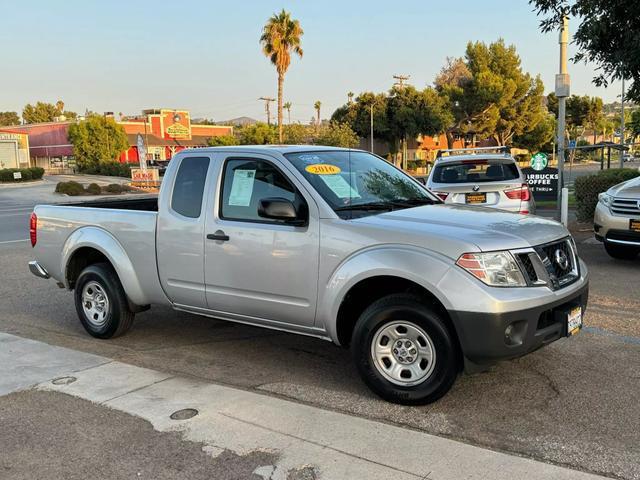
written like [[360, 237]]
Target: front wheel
[[621, 252], [403, 350], [101, 303]]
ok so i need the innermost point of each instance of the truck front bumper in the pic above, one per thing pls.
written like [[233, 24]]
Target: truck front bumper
[[484, 337]]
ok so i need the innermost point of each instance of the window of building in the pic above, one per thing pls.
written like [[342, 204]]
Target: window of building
[[188, 188], [246, 182]]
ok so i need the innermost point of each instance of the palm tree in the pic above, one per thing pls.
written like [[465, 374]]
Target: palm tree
[[280, 36], [287, 107], [60, 107], [317, 106], [350, 96]]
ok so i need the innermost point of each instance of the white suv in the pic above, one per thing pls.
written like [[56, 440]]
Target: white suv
[[480, 178]]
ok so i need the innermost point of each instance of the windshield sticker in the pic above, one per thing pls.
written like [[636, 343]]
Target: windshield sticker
[[242, 188], [309, 158], [339, 186], [323, 169]]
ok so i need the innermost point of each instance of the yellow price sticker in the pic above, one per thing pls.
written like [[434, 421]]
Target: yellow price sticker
[[323, 169]]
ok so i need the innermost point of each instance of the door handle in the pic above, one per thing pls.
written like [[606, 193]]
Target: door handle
[[219, 235]]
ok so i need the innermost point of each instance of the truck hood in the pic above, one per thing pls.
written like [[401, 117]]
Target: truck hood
[[629, 189], [489, 229]]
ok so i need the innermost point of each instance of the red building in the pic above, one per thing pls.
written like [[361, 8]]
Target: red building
[[166, 132]]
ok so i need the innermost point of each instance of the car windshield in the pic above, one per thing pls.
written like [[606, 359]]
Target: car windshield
[[475, 171], [355, 181]]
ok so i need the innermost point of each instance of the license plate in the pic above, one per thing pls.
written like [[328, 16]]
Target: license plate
[[574, 321], [476, 198], [634, 225]]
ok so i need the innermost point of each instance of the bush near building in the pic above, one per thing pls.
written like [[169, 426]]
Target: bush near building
[[32, 173], [70, 188], [588, 187]]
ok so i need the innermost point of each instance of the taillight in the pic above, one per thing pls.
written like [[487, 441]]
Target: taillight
[[520, 193], [443, 195], [33, 229]]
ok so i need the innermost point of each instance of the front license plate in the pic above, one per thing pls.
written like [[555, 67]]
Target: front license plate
[[476, 198], [634, 225], [574, 321]]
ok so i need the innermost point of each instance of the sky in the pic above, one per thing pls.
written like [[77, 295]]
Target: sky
[[204, 56]]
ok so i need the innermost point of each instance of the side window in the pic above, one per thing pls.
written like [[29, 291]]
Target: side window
[[246, 182], [188, 188]]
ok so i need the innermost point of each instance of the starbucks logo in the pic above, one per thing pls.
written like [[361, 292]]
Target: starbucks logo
[[539, 161]]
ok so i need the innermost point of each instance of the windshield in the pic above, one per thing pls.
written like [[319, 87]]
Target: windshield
[[475, 171], [355, 181]]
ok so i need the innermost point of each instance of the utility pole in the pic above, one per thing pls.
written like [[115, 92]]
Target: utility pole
[[267, 107], [562, 92], [371, 126], [622, 125], [400, 80]]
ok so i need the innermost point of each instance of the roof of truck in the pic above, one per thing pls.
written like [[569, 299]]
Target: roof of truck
[[267, 148]]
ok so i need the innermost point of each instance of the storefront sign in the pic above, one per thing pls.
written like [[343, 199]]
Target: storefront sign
[[543, 183], [17, 175], [177, 130]]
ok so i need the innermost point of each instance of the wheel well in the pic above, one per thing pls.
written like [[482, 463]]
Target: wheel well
[[81, 259], [367, 291]]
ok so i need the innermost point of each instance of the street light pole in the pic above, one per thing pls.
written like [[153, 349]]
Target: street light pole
[[562, 92], [622, 126]]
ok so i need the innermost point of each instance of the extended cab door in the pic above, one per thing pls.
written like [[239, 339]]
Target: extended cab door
[[180, 229], [259, 268]]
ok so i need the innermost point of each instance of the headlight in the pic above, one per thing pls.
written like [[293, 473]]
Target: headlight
[[498, 269], [605, 198]]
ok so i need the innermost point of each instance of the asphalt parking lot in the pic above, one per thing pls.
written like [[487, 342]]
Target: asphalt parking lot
[[573, 403]]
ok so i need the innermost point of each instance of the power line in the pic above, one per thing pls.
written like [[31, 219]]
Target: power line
[[400, 80], [267, 107]]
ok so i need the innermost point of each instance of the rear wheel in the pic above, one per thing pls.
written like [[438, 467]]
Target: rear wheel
[[403, 350], [101, 303], [621, 252]]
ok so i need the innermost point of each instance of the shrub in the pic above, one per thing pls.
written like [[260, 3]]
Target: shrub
[[70, 188], [110, 169], [114, 188], [36, 172], [588, 187], [94, 189], [33, 173]]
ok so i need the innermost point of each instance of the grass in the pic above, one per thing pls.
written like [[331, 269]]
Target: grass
[[552, 203]]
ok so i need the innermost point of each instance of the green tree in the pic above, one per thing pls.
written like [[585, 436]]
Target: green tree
[[97, 140], [634, 125], [316, 107], [222, 141], [357, 115], [297, 134], [337, 135], [9, 118], [287, 107], [280, 37], [582, 112], [45, 112], [540, 138], [492, 96], [607, 35], [258, 133]]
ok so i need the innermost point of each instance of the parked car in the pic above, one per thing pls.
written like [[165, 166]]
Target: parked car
[[333, 243], [481, 178], [627, 157], [617, 219]]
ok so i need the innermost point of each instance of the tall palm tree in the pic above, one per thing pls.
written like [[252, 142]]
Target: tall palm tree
[[317, 106], [287, 107], [280, 36]]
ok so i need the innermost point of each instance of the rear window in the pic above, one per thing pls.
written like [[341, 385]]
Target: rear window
[[188, 188], [475, 171]]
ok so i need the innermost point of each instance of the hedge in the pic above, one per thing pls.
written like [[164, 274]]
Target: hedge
[[111, 169], [94, 189], [32, 173], [70, 188], [589, 186]]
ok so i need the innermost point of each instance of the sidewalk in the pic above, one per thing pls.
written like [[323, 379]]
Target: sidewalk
[[237, 429]]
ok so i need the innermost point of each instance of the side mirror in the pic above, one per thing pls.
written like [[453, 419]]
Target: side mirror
[[280, 209]]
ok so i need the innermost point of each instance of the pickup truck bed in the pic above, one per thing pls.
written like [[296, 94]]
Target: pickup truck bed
[[145, 203]]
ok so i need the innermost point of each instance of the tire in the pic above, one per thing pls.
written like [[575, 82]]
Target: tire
[[107, 314], [621, 252], [387, 316]]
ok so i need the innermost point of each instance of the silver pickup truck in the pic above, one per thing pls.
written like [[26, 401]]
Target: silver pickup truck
[[333, 243]]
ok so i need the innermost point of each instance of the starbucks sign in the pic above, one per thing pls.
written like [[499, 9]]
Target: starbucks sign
[[539, 161]]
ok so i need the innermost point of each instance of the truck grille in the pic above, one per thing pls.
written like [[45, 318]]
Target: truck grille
[[560, 262], [554, 264], [625, 206]]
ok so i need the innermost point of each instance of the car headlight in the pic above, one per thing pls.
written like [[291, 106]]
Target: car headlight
[[605, 198], [498, 269]]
